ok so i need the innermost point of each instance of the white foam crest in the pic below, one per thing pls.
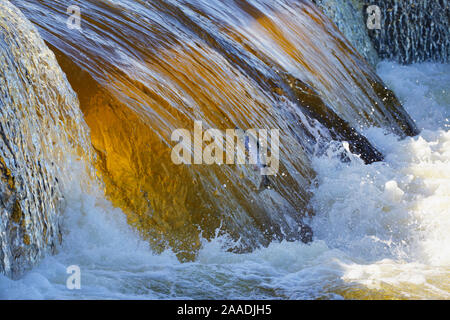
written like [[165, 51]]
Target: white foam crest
[[393, 218]]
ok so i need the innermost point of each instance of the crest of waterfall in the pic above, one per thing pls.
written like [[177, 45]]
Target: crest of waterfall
[[41, 129]]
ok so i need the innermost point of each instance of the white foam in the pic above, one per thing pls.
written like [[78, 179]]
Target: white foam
[[393, 218]]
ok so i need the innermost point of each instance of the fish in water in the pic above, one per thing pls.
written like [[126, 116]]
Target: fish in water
[[256, 155]]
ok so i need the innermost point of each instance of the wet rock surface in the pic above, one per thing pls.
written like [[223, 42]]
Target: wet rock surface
[[349, 18], [413, 31], [39, 126]]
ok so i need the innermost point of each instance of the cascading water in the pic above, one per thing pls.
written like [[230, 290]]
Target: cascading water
[[143, 69], [41, 128], [154, 67]]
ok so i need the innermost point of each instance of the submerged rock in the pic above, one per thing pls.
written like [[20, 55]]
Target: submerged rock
[[40, 127]]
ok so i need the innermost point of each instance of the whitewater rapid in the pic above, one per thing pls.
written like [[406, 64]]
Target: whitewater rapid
[[380, 230]]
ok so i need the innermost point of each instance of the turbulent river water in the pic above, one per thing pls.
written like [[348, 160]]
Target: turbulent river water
[[380, 230]]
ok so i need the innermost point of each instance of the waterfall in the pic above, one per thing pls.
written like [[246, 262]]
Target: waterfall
[[359, 205], [41, 128], [144, 69]]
